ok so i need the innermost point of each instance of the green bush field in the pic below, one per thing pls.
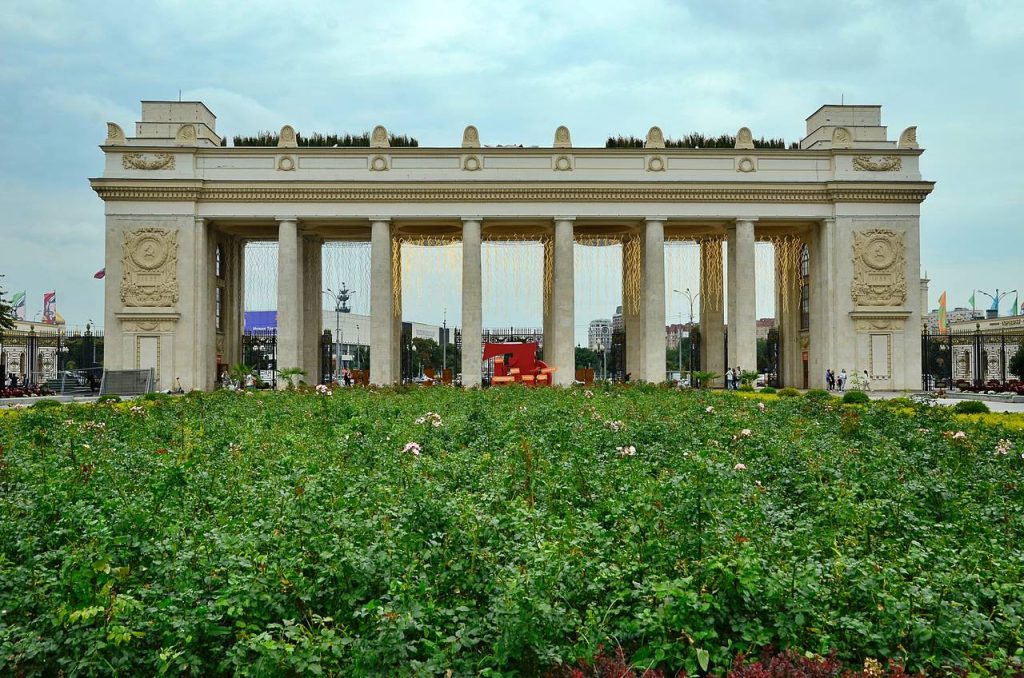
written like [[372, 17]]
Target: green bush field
[[507, 532]]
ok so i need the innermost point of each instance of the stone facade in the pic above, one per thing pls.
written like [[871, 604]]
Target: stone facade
[[177, 203]]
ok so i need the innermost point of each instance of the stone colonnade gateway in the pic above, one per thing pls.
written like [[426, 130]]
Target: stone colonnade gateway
[[842, 211]]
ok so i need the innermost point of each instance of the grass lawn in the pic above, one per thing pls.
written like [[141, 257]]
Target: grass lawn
[[507, 532]]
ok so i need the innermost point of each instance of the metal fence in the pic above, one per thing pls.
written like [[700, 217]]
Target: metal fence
[[966, 358], [45, 356]]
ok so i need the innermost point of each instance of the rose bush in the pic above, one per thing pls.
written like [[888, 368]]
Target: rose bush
[[286, 533]]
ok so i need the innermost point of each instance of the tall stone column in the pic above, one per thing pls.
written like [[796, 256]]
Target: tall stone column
[[289, 294], [632, 300], [742, 296], [472, 305], [564, 303], [381, 317], [205, 365], [712, 310], [822, 303], [653, 301], [312, 267], [233, 315]]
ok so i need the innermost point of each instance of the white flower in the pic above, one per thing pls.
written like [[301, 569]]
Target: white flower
[[615, 424], [138, 410], [746, 433], [626, 451], [412, 448], [739, 467], [588, 394], [323, 390], [1003, 447], [761, 406], [959, 435], [709, 409], [432, 418]]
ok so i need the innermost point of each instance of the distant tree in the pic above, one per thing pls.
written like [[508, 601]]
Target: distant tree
[[586, 358], [6, 311], [1017, 363]]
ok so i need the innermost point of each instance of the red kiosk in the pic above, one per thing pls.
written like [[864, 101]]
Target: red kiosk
[[517, 363]]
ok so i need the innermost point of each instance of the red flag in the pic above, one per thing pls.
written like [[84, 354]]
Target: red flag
[[50, 307], [100, 274]]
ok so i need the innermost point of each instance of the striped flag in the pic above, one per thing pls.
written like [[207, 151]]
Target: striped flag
[[50, 307], [943, 326], [18, 304]]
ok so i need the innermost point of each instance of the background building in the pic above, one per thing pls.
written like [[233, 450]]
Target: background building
[[599, 334]]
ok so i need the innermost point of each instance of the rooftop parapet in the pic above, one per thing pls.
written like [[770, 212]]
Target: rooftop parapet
[[171, 123], [843, 126]]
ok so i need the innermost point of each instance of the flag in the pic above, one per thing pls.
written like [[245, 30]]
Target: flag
[[972, 299], [943, 327], [18, 305], [50, 307], [100, 274], [58, 319], [1013, 309]]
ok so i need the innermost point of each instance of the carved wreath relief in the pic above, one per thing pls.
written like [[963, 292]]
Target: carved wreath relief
[[150, 262], [143, 162], [887, 163], [879, 265]]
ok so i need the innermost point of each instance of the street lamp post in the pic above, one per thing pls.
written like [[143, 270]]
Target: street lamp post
[[997, 297], [690, 297], [340, 298], [359, 346]]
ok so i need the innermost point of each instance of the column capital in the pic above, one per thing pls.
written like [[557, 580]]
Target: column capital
[[659, 219], [751, 220], [380, 220], [279, 219], [569, 219], [829, 221], [477, 220]]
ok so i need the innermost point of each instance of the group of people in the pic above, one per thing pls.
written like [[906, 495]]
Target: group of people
[[838, 382], [732, 379]]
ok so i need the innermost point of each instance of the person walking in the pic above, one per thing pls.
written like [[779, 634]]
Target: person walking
[[729, 379], [830, 380], [867, 381], [842, 380]]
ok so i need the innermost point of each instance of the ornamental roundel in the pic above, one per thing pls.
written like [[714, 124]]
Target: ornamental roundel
[[149, 252], [879, 253]]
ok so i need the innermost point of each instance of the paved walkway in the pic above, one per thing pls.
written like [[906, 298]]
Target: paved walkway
[[994, 405]]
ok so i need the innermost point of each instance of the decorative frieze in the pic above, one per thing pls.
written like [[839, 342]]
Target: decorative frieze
[[149, 263], [879, 261], [148, 325], [146, 161], [445, 193], [886, 163]]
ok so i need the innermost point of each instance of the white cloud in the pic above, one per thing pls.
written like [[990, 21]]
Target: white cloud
[[90, 107]]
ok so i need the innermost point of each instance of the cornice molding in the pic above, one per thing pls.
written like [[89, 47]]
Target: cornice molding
[[119, 190]]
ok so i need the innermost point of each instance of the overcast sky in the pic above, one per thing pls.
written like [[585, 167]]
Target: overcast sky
[[517, 70]]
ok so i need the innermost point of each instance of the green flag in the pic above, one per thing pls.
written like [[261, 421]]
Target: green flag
[[972, 300], [1013, 309]]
